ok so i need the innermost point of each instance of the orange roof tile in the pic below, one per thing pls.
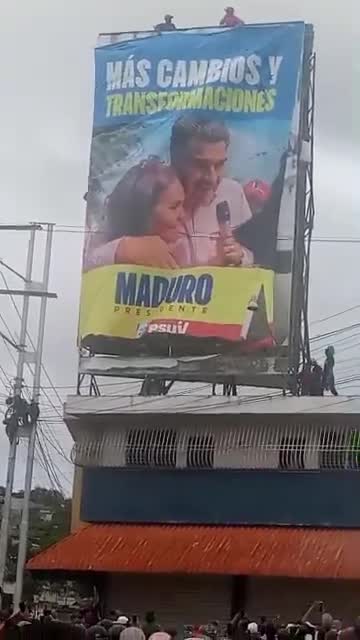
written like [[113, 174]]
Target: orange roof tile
[[262, 551]]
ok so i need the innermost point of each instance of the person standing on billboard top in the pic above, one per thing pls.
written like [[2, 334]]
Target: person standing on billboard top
[[198, 153], [230, 19], [167, 25]]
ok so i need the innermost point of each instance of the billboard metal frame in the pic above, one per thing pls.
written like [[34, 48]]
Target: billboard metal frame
[[299, 339], [299, 342]]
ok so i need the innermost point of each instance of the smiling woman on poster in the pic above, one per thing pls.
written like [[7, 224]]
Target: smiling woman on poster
[[144, 216]]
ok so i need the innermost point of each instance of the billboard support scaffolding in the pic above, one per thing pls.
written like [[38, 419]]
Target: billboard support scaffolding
[[299, 347], [309, 219]]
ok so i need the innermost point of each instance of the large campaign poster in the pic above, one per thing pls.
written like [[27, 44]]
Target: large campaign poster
[[192, 189]]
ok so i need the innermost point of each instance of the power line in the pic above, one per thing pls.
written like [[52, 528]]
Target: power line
[[50, 472], [78, 229], [335, 315], [335, 332], [60, 450], [340, 349], [55, 469], [51, 403], [33, 346]]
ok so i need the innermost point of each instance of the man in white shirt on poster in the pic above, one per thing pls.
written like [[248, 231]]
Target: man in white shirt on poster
[[198, 151]]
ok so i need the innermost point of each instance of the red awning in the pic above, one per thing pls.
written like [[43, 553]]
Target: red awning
[[258, 551]]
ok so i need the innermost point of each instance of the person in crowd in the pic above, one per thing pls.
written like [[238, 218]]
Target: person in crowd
[[144, 214], [96, 631], [230, 19], [21, 615], [76, 620], [253, 631], [119, 625], [351, 633], [167, 25], [325, 626], [262, 626], [239, 626], [150, 626], [132, 631], [48, 615], [113, 615], [270, 631], [42, 631], [212, 629], [283, 633], [107, 623], [91, 612], [160, 635]]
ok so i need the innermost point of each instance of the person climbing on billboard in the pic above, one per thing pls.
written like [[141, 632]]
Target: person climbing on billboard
[[230, 19]]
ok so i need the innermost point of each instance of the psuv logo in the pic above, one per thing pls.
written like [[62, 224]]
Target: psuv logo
[[177, 328]]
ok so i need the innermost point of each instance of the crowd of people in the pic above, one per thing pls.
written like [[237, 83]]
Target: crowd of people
[[88, 623], [230, 19]]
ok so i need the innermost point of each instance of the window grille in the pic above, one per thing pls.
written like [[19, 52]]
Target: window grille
[[292, 453], [332, 452], [200, 451], [151, 448]]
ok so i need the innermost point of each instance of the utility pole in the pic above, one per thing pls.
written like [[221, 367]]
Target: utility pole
[[24, 415], [5, 521], [24, 525]]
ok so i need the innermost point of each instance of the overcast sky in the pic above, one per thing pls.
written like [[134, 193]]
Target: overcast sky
[[46, 79]]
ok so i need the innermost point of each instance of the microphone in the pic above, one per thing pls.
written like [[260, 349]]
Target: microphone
[[223, 217]]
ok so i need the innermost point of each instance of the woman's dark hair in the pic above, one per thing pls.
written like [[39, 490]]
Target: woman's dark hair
[[129, 206]]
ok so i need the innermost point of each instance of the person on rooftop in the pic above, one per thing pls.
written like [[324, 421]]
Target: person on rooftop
[[167, 25], [328, 376], [230, 19]]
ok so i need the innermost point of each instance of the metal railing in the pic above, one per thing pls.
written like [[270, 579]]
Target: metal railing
[[284, 447]]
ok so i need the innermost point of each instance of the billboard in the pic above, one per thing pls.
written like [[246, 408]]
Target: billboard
[[192, 192]]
